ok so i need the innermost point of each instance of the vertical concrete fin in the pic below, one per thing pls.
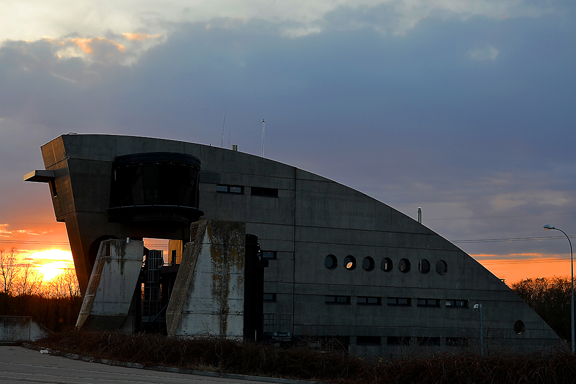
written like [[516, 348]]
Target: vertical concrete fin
[[112, 284], [185, 278]]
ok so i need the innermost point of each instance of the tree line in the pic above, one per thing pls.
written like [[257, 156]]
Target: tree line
[[550, 298], [54, 304]]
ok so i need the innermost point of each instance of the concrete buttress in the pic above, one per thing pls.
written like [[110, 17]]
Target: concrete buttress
[[111, 287], [208, 295]]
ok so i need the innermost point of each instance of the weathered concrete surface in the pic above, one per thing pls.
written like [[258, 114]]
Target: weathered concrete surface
[[114, 278], [311, 217], [208, 295], [20, 328]]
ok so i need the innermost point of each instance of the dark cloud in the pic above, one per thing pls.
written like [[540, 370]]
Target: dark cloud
[[470, 119]]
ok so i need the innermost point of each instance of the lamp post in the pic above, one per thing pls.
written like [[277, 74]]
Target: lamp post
[[479, 308], [549, 227]]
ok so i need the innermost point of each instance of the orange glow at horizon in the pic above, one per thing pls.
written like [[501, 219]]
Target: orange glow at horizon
[[512, 270]]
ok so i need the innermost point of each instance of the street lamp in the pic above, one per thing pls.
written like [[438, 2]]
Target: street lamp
[[479, 308], [549, 227]]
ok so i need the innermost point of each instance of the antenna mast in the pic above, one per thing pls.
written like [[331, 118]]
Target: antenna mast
[[263, 128], [224, 123]]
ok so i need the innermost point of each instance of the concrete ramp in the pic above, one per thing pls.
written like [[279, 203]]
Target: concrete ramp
[[106, 304], [14, 329], [208, 294]]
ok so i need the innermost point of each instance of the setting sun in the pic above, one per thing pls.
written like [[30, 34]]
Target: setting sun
[[52, 262], [51, 270]]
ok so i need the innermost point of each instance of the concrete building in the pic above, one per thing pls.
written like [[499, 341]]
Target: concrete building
[[340, 264]]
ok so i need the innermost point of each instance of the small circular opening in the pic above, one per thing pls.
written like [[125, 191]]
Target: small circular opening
[[350, 262], [368, 263], [519, 327], [386, 264], [331, 262], [404, 265], [424, 266], [441, 267]]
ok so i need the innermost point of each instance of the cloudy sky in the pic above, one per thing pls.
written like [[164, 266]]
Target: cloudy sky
[[463, 108]]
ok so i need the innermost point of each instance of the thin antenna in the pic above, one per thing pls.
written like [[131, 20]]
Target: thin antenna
[[420, 215], [223, 123], [263, 127]]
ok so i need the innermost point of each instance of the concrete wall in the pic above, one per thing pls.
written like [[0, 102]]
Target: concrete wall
[[107, 300], [20, 328], [309, 218], [208, 294]]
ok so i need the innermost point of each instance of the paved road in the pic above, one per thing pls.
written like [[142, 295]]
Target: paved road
[[23, 366]]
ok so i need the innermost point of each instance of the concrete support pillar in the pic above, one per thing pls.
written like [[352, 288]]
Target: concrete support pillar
[[111, 287], [208, 294]]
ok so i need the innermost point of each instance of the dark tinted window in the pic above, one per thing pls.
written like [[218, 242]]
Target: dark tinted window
[[428, 303], [386, 264], [337, 299], [368, 340], [441, 267], [366, 300], [397, 340], [266, 192], [269, 297], [398, 301], [350, 262], [368, 263], [331, 262], [404, 265], [269, 255], [456, 341], [428, 341], [457, 303], [424, 266], [155, 179], [222, 188], [235, 189]]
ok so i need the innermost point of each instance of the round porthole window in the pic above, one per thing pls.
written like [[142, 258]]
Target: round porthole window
[[404, 265], [331, 262], [424, 266], [519, 327], [350, 262], [386, 264], [441, 267], [368, 263]]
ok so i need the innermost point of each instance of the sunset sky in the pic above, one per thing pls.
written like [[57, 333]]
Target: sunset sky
[[464, 108]]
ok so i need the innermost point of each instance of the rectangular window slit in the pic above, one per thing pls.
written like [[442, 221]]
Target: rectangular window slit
[[337, 299], [269, 297], [269, 255], [398, 340], [428, 341], [266, 192], [428, 303], [233, 189], [456, 303], [368, 340], [367, 300], [398, 301]]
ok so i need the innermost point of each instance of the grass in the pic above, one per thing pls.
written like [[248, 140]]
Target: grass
[[300, 362]]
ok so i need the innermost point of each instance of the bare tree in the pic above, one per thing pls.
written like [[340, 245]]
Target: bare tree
[[65, 285], [29, 280], [8, 270], [550, 298]]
